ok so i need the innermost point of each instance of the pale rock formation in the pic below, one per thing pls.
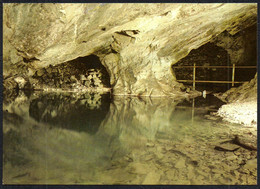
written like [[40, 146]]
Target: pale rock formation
[[137, 47], [242, 104]]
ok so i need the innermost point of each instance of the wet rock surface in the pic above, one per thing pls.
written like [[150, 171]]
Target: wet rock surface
[[138, 142], [137, 56]]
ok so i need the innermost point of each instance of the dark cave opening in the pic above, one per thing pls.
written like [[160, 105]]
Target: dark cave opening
[[206, 55], [82, 72], [214, 54]]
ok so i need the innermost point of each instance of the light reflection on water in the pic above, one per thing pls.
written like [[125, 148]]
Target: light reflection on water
[[94, 139]]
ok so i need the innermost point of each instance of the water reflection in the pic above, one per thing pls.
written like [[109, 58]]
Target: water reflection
[[79, 113], [93, 139]]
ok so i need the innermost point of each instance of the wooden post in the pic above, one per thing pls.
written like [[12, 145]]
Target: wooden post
[[194, 73], [233, 75], [192, 110]]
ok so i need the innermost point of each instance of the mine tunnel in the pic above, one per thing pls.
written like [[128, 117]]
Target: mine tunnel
[[82, 72], [214, 62]]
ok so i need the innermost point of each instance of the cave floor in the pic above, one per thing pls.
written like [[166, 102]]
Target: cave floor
[[135, 141]]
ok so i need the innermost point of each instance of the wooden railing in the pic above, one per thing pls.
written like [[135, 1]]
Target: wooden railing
[[200, 81]]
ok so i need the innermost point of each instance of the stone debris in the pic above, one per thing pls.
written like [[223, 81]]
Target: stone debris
[[20, 81], [216, 167], [83, 77], [149, 144], [242, 106], [65, 77], [211, 117], [244, 113], [180, 164], [227, 147], [251, 164], [152, 178]]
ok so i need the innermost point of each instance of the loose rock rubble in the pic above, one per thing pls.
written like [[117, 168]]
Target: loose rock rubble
[[70, 77], [168, 162], [242, 104], [242, 113]]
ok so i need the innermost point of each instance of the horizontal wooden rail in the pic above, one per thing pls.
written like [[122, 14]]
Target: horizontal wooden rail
[[214, 67], [194, 73], [198, 81]]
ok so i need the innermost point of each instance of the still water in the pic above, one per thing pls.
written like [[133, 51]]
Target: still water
[[70, 138]]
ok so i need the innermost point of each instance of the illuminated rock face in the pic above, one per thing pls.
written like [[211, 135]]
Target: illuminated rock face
[[242, 104], [136, 43]]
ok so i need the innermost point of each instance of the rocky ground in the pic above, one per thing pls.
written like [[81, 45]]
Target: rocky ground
[[243, 113], [241, 104], [212, 159]]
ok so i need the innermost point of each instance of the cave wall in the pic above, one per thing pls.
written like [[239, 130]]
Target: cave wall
[[244, 93], [223, 50], [241, 46], [137, 48]]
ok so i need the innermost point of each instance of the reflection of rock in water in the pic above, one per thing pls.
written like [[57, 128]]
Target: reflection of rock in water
[[12, 118], [200, 102], [81, 114], [139, 142]]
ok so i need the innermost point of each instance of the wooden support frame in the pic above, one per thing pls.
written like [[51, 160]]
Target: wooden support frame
[[233, 75], [194, 76], [214, 66], [199, 81]]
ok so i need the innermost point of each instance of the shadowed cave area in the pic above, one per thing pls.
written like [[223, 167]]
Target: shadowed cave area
[[82, 73], [216, 53]]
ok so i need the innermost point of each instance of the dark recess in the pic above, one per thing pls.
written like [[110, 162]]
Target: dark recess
[[82, 64], [61, 76], [213, 55]]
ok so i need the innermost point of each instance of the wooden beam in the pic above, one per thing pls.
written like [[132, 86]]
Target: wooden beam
[[214, 66], [190, 81], [194, 75], [233, 75]]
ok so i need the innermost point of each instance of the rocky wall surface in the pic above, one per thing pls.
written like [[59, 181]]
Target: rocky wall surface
[[137, 47], [246, 92], [241, 47], [69, 77], [242, 104]]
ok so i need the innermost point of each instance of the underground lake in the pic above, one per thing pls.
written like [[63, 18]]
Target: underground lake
[[129, 94], [72, 138]]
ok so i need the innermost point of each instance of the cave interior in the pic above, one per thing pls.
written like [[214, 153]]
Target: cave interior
[[224, 50], [82, 72]]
